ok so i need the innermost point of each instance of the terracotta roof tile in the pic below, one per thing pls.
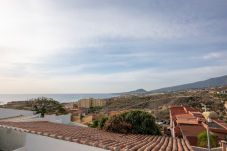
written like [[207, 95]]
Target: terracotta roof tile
[[186, 119], [190, 109], [177, 110], [191, 132], [101, 139], [220, 122]]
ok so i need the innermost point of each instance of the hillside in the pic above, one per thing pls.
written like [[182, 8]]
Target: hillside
[[158, 104], [213, 82]]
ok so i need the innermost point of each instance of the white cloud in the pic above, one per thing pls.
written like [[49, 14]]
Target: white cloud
[[117, 82], [40, 27], [31, 31], [214, 55]]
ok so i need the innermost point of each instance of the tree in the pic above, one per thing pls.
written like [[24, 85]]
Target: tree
[[135, 122], [202, 140], [43, 105]]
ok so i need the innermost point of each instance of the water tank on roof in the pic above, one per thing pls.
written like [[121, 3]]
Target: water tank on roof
[[210, 115]]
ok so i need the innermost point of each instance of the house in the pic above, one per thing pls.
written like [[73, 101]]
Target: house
[[223, 92], [188, 123]]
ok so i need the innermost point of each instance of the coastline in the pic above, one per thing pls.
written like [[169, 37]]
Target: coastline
[[4, 98]]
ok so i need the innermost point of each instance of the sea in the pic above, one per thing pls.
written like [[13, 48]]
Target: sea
[[4, 98]]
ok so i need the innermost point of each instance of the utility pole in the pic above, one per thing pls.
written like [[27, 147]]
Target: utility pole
[[208, 136]]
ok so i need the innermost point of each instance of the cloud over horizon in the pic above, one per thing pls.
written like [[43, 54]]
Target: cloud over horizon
[[86, 46]]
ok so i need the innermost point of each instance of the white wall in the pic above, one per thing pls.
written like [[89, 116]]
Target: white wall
[[65, 119], [11, 139], [43, 143], [20, 149], [20, 141], [6, 113]]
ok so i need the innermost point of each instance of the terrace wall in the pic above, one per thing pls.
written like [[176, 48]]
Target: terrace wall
[[7, 113], [12, 140]]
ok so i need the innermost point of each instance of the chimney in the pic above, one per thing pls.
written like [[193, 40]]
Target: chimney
[[223, 145]]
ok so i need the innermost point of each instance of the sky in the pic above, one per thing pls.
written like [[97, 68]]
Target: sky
[[105, 46]]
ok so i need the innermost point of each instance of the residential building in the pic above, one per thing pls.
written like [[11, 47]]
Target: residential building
[[223, 92], [188, 123], [87, 103]]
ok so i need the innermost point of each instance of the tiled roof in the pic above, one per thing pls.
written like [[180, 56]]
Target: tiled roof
[[177, 110], [99, 138], [220, 122], [191, 132], [185, 116], [190, 109], [197, 114], [186, 119]]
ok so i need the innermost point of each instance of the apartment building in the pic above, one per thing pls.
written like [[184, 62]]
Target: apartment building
[[87, 103]]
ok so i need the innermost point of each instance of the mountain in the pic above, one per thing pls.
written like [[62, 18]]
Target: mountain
[[213, 82], [138, 91], [135, 92]]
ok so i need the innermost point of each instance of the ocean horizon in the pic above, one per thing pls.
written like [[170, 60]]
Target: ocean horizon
[[4, 98]]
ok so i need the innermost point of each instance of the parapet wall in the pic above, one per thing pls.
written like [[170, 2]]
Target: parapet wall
[[7, 113]]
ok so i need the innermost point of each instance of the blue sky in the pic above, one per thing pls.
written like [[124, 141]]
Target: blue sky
[[86, 46]]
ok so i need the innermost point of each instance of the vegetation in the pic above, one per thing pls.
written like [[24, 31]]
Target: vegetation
[[134, 122], [99, 123], [95, 109], [81, 117], [222, 96], [202, 140], [45, 105], [156, 103], [102, 122]]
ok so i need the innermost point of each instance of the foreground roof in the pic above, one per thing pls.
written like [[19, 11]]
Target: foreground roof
[[99, 138]]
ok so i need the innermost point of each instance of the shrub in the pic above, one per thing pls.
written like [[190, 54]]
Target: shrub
[[102, 122], [202, 140], [95, 109], [94, 124], [99, 123], [135, 122]]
